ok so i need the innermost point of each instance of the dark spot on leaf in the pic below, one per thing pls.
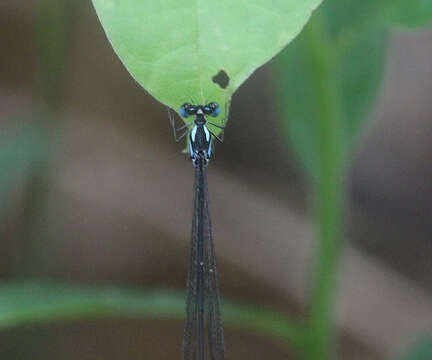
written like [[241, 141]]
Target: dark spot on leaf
[[222, 79]]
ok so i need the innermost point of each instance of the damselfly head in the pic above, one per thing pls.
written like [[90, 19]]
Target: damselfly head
[[188, 109]]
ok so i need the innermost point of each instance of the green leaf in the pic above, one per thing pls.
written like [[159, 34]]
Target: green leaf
[[174, 48], [409, 13], [420, 351], [35, 302], [340, 58]]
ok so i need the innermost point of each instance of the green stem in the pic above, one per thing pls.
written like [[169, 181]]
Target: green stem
[[328, 190]]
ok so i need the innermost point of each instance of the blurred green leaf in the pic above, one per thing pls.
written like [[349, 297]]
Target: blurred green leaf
[[51, 30], [420, 351], [34, 302], [327, 79], [20, 151], [174, 48], [350, 13], [343, 57], [409, 13]]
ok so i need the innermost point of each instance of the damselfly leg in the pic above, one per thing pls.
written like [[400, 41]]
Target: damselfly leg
[[220, 137], [177, 137]]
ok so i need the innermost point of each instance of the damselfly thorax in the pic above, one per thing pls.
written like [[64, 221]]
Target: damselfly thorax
[[200, 136]]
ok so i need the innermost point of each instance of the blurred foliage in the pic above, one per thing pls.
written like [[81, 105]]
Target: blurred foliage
[[410, 13], [340, 54], [422, 350], [51, 37], [325, 86], [21, 153], [327, 80], [33, 302]]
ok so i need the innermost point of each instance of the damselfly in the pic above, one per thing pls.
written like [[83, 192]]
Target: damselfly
[[203, 316]]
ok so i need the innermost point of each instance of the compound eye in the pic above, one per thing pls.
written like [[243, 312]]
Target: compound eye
[[207, 110], [187, 109], [215, 109], [183, 111]]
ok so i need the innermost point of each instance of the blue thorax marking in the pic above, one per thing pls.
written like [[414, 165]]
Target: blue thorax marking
[[200, 140]]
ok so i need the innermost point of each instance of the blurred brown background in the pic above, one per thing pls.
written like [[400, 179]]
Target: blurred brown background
[[108, 201]]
